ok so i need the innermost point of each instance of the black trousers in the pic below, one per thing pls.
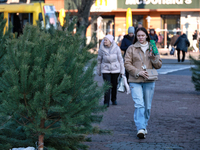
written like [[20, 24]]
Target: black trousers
[[112, 79], [183, 57]]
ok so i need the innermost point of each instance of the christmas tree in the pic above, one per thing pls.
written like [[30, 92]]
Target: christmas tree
[[48, 93], [196, 73], [5, 33]]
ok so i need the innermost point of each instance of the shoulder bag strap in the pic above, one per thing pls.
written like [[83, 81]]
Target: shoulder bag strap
[[143, 65]]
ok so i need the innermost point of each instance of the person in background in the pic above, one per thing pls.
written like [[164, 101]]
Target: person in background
[[195, 41], [153, 35], [119, 40], [110, 65], [182, 45], [139, 25], [17, 24], [168, 39], [127, 41], [160, 41], [173, 40], [137, 59]]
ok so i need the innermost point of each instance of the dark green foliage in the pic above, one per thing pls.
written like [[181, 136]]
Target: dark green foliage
[[48, 88], [3, 38], [196, 72]]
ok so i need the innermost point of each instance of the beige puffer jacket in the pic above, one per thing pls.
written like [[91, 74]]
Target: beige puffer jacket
[[110, 59], [133, 62]]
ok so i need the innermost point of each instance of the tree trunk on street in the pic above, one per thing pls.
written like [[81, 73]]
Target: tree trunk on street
[[83, 7], [41, 136]]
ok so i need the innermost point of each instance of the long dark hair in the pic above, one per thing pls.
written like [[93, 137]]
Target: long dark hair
[[145, 31]]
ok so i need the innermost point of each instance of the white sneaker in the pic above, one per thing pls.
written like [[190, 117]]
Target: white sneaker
[[145, 132], [141, 134]]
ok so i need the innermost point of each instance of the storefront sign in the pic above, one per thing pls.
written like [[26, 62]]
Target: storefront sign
[[136, 2], [104, 6], [158, 4]]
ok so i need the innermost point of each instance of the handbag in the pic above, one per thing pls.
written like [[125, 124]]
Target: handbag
[[121, 86], [172, 51], [153, 74]]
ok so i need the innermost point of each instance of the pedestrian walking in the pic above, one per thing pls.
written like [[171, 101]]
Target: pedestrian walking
[[127, 41], [153, 35], [138, 26], [160, 41], [110, 65], [138, 58], [182, 45], [195, 41], [173, 40]]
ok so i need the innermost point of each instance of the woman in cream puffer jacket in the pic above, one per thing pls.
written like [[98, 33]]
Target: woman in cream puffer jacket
[[110, 64]]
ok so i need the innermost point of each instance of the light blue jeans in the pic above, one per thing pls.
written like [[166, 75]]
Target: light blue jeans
[[142, 94]]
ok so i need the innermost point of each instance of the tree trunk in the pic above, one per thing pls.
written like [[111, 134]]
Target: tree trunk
[[41, 136], [83, 14]]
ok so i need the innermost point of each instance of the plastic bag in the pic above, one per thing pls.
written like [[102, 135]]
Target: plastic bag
[[128, 91], [120, 86], [153, 48], [123, 85], [172, 51]]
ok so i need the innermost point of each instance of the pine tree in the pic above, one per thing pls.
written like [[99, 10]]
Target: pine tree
[[196, 72], [4, 35], [6, 126], [48, 90]]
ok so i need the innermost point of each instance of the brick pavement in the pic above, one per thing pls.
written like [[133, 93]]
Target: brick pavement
[[174, 122]]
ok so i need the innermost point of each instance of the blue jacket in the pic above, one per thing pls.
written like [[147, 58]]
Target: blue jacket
[[182, 43], [126, 42]]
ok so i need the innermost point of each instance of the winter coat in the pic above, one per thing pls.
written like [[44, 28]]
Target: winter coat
[[154, 37], [194, 36], [126, 42], [133, 62], [173, 39], [110, 59], [182, 43]]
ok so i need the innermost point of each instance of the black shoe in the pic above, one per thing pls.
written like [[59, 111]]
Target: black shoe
[[114, 102]]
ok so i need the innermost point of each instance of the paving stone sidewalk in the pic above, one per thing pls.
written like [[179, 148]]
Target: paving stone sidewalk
[[174, 122]]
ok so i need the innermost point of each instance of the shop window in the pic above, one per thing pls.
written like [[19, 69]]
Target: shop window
[[136, 19], [173, 25], [172, 21], [19, 20], [106, 27]]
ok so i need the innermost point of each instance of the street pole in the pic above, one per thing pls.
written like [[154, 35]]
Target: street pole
[[165, 34], [148, 21]]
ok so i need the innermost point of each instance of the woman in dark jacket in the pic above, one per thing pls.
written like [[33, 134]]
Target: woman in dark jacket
[[182, 45], [127, 41], [153, 35]]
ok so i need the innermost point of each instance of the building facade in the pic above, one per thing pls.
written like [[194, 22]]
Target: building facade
[[165, 16]]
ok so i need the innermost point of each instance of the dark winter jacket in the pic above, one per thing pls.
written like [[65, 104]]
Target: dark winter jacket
[[126, 42], [154, 37], [194, 36], [182, 43]]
